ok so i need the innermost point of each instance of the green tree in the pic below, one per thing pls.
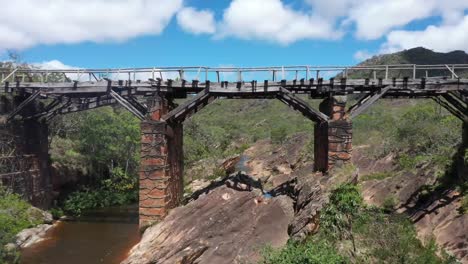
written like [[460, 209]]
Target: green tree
[[340, 214]]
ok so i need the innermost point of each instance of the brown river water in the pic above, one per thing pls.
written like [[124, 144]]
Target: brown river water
[[101, 236]]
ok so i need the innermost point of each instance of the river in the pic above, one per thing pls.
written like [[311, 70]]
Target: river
[[100, 236]]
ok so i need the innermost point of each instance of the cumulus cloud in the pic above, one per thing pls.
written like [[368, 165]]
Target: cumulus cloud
[[274, 21], [441, 38], [25, 23], [362, 55], [196, 22], [374, 19]]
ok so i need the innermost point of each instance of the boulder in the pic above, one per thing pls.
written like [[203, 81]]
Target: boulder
[[31, 236]]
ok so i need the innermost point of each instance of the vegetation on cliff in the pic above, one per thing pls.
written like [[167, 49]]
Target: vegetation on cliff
[[354, 233], [14, 217]]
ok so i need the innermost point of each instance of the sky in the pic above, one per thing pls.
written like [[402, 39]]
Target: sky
[[243, 33]]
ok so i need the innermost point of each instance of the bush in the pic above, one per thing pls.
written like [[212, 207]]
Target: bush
[[119, 189], [14, 217], [312, 252]]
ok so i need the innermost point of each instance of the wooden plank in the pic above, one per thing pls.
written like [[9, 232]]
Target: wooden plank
[[367, 101], [305, 108]]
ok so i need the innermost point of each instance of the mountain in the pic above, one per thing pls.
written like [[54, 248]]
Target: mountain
[[420, 56]]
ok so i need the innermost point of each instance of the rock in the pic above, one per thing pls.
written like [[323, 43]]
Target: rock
[[31, 236], [437, 218], [229, 164], [223, 226], [440, 220], [310, 199], [42, 216], [197, 185]]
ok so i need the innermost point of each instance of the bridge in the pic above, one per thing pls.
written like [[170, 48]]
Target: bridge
[[31, 97]]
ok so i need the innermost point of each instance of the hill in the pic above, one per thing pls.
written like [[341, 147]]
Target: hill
[[420, 56]]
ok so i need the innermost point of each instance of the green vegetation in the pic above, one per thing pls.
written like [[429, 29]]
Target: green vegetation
[[310, 252], [14, 217], [353, 233], [377, 176], [227, 127], [103, 143]]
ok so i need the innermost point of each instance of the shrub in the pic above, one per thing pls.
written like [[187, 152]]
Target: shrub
[[312, 252], [14, 217], [119, 189]]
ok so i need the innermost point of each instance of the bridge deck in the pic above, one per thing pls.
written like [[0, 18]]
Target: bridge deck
[[82, 89], [398, 87]]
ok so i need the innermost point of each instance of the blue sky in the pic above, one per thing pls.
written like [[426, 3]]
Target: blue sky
[[139, 33]]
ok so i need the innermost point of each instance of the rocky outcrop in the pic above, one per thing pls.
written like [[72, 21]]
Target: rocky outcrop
[[232, 219], [224, 225], [274, 165], [435, 216], [31, 236], [440, 220]]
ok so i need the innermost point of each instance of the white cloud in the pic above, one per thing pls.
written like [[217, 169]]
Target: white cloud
[[53, 65], [374, 19], [441, 38], [362, 55], [196, 22], [25, 23], [273, 21]]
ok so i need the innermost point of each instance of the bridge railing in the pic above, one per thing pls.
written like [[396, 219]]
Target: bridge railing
[[233, 74]]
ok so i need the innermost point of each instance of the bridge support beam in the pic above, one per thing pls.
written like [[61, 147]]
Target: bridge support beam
[[24, 157], [333, 139], [161, 167]]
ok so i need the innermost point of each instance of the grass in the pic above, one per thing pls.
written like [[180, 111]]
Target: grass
[[378, 176]]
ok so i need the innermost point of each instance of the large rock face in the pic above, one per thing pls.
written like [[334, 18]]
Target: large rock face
[[223, 226]]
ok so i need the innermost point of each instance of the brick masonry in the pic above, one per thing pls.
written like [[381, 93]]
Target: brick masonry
[[333, 139], [161, 168]]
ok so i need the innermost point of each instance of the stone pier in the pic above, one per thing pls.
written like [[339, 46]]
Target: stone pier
[[161, 168], [333, 139]]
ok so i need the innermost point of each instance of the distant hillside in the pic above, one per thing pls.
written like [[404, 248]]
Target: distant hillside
[[418, 55]]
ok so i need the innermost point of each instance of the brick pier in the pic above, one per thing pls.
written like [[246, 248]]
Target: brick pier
[[333, 139], [161, 168]]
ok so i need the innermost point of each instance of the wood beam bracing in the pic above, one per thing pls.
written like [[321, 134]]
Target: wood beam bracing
[[189, 107], [302, 106], [127, 105], [23, 104], [455, 109], [366, 102]]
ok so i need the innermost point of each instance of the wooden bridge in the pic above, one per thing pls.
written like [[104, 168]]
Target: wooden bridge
[[150, 93]]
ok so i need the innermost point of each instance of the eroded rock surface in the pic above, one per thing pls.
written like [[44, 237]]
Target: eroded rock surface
[[223, 226], [31, 236]]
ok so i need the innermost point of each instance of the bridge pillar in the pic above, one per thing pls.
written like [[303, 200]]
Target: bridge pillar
[[333, 139], [161, 165], [24, 157]]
